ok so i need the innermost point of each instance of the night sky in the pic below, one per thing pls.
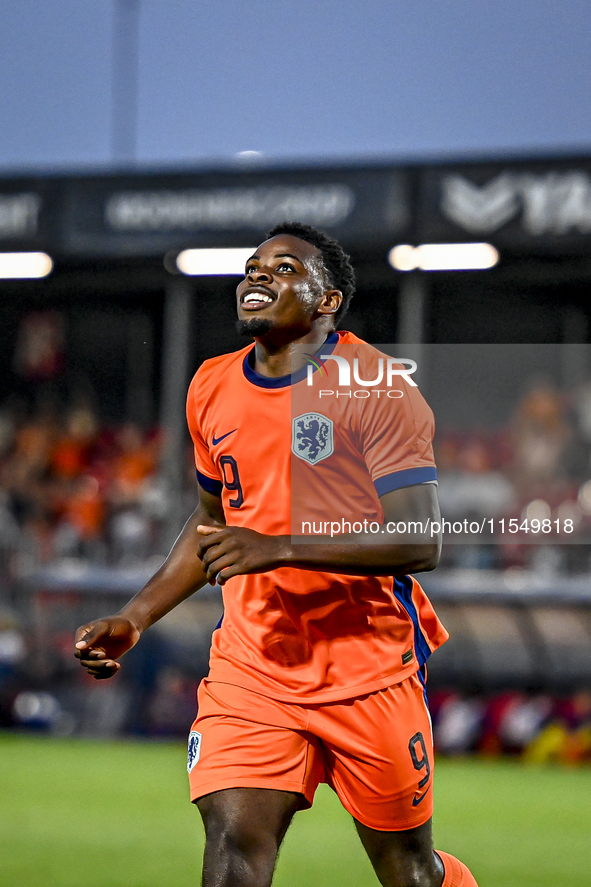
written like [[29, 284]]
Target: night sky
[[334, 80]]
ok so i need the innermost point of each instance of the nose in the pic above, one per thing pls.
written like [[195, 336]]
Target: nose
[[257, 275]]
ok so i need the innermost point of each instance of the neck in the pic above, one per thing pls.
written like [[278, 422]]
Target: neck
[[275, 358]]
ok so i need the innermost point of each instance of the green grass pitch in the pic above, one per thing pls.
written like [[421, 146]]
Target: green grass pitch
[[117, 815]]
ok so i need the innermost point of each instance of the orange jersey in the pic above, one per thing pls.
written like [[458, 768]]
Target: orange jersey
[[291, 633]]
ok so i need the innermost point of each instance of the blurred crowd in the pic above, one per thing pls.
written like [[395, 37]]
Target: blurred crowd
[[44, 689], [536, 472], [538, 727], [75, 490], [155, 696], [72, 488]]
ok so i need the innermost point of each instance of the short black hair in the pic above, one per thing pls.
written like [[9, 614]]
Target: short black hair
[[337, 263]]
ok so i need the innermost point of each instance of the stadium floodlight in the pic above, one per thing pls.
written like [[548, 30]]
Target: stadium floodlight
[[443, 257], [24, 266], [203, 262]]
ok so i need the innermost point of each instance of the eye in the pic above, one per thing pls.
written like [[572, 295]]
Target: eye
[[285, 266], [249, 268]]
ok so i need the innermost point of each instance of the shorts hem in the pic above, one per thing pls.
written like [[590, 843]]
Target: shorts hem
[[380, 826], [282, 785]]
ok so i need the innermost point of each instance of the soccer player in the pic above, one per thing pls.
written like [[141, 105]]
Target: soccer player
[[317, 669]]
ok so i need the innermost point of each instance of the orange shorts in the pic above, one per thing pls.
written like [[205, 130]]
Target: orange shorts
[[375, 751]]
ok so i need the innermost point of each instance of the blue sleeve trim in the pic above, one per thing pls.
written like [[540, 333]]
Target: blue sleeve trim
[[209, 484], [407, 478]]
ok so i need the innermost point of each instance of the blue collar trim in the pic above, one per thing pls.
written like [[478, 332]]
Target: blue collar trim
[[282, 381]]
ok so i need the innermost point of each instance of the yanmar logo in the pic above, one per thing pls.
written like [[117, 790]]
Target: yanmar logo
[[552, 203], [388, 371]]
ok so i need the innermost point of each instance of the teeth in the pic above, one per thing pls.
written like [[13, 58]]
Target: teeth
[[257, 297]]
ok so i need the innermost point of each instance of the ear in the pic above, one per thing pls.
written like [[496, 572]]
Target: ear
[[331, 302]]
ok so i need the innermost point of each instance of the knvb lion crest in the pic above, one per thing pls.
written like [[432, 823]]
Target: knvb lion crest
[[312, 437], [194, 749]]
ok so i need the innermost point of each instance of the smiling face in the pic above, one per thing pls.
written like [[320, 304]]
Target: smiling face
[[285, 288]]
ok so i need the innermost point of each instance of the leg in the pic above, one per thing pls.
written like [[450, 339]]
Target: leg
[[402, 859], [244, 828], [251, 766]]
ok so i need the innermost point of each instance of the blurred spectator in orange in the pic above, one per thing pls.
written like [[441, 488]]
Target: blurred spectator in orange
[[134, 463], [73, 449], [541, 436], [25, 471], [82, 520]]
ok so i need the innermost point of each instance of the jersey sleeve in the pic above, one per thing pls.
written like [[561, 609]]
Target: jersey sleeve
[[207, 473], [397, 440]]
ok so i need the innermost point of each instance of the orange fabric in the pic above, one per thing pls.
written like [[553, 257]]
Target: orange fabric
[[360, 747], [69, 457], [456, 873], [85, 509], [292, 633], [133, 467]]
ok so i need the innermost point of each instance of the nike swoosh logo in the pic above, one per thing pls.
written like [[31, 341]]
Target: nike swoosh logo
[[416, 801], [217, 440]]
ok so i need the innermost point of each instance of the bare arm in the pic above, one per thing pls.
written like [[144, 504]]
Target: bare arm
[[182, 572], [236, 550], [385, 552], [100, 643]]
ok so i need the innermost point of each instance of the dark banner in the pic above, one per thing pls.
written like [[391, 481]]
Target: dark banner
[[29, 214], [522, 207], [146, 215]]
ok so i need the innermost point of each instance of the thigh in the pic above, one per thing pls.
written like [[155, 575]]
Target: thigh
[[242, 740], [244, 828], [248, 817], [379, 756]]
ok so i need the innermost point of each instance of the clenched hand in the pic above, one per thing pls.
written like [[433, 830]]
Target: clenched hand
[[233, 551], [99, 644]]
